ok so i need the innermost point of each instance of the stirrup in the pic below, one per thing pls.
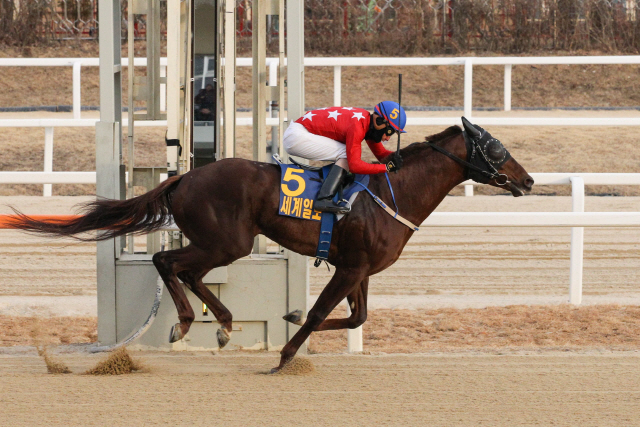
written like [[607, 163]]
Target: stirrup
[[334, 207], [347, 205]]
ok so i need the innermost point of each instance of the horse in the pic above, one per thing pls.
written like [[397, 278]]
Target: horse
[[221, 207]]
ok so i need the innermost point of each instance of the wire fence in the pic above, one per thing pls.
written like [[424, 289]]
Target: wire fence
[[379, 27]]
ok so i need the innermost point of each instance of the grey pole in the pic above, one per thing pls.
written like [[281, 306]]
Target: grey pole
[[108, 153]]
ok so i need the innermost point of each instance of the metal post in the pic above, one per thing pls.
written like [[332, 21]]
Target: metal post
[[229, 119], [468, 87], [108, 151], [295, 59], [131, 107], [577, 243], [259, 85], [48, 157], [259, 49], [163, 89], [507, 87], [175, 108], [77, 100], [273, 106], [337, 86], [281, 74]]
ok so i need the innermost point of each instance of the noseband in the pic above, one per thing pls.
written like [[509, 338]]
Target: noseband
[[485, 155]]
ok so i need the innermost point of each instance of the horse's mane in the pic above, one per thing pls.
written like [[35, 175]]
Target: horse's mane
[[447, 133], [417, 147]]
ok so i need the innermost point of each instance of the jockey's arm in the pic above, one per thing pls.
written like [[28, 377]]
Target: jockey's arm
[[354, 158], [378, 150]]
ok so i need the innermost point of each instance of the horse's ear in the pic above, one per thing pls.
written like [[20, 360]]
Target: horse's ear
[[471, 130]]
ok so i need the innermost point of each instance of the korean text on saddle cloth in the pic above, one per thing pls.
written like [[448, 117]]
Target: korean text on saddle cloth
[[298, 189]]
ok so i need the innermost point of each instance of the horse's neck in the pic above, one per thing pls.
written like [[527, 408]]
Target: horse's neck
[[427, 182]]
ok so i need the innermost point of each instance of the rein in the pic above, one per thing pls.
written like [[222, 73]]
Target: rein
[[490, 174], [395, 214]]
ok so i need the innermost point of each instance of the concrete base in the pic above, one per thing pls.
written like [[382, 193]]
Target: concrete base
[[258, 292]]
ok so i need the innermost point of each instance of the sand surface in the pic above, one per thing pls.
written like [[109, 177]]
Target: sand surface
[[456, 389]]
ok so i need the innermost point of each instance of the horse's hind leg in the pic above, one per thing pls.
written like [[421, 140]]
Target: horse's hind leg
[[357, 302], [167, 264], [193, 279], [191, 264]]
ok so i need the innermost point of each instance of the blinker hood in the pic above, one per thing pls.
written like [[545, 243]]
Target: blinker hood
[[483, 151]]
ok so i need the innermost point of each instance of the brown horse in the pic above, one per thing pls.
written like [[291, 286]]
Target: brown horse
[[221, 207]]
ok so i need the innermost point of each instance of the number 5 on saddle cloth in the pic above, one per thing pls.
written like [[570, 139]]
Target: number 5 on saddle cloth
[[298, 190]]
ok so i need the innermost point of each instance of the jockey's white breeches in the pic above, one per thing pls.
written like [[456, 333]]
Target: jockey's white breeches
[[298, 141]]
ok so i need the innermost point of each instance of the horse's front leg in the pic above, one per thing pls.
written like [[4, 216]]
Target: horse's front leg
[[343, 283], [357, 302]]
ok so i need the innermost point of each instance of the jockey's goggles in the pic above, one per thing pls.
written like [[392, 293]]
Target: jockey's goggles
[[388, 130]]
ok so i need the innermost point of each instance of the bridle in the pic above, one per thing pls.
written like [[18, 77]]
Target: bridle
[[476, 146]]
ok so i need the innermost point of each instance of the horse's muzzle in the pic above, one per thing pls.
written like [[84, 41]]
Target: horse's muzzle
[[519, 189]]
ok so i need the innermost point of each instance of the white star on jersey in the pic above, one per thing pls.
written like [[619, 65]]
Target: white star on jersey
[[347, 108], [358, 116], [334, 115], [309, 116]]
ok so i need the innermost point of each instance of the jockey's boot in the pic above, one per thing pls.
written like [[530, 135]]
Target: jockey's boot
[[324, 201]]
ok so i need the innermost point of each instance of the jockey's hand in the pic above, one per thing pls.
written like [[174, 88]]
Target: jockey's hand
[[395, 163]]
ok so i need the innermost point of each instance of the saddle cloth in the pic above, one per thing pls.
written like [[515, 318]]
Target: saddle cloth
[[299, 187]]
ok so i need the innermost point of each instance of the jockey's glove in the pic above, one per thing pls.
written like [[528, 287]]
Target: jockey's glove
[[395, 163]]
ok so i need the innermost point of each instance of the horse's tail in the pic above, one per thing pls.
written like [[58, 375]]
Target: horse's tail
[[139, 215]]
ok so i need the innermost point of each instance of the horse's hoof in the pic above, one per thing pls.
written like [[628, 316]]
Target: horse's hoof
[[223, 337], [176, 333], [274, 370], [294, 317]]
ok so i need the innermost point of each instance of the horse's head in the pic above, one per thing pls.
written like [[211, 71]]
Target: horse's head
[[491, 163]]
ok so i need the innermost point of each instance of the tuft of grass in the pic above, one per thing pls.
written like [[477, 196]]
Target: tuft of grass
[[118, 362]]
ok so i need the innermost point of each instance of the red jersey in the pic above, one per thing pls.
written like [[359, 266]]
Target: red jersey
[[349, 126]]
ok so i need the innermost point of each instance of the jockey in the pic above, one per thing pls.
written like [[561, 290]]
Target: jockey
[[336, 134]]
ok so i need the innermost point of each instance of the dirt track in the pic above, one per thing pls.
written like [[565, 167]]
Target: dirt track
[[462, 389]]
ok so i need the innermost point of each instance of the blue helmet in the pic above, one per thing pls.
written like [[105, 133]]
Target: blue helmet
[[393, 114]]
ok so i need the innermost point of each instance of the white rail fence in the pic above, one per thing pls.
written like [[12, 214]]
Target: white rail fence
[[338, 62], [577, 219]]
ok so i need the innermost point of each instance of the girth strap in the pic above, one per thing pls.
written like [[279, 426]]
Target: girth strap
[[327, 221]]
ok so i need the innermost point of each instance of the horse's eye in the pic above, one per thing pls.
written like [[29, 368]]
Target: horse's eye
[[495, 150]]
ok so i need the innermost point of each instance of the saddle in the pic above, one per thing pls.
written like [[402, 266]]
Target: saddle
[[306, 167], [346, 183]]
